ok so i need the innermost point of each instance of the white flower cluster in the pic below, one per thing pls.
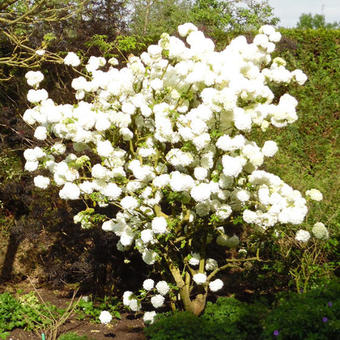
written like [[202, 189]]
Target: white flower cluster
[[170, 125]]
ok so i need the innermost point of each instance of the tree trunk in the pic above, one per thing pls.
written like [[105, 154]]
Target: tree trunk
[[195, 306]]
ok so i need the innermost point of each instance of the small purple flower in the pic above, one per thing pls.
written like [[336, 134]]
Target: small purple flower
[[324, 319], [330, 304], [276, 332]]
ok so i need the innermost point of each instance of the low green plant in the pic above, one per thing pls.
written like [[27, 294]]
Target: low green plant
[[73, 336], [313, 316], [92, 308], [24, 312], [228, 318]]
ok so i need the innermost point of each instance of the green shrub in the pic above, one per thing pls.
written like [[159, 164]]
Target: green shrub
[[226, 319], [311, 316]]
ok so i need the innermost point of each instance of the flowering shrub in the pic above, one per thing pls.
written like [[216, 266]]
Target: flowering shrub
[[162, 141]]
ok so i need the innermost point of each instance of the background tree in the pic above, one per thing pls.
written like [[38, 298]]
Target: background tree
[[215, 17], [315, 21]]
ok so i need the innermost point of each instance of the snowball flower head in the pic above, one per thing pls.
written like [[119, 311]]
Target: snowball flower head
[[148, 284], [314, 195], [211, 264], [41, 182], [40, 133], [320, 231], [159, 225], [200, 278], [302, 235], [149, 317], [34, 77], [195, 259], [72, 59], [186, 28], [105, 317], [70, 191], [162, 288], [157, 301], [216, 285], [40, 52], [269, 148]]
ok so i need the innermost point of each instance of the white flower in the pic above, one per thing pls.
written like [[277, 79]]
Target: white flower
[[31, 165], [157, 301], [216, 285], [211, 264], [148, 284], [40, 133], [302, 235], [232, 166], [195, 259], [149, 256], [149, 317], [40, 52], [41, 182], [269, 148], [98, 171], [200, 192], [134, 305], [36, 96], [200, 278], [127, 298], [314, 194], [162, 287], [58, 149], [70, 191], [186, 28], [104, 149], [159, 225], [34, 77], [200, 173], [146, 235], [72, 59], [320, 231], [243, 195], [105, 317]]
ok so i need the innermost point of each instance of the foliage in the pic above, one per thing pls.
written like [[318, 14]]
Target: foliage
[[308, 157], [92, 309], [316, 21], [315, 315], [215, 18], [24, 312], [153, 17], [228, 318], [73, 336]]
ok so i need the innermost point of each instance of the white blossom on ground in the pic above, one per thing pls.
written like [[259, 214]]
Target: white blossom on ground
[[105, 317]]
